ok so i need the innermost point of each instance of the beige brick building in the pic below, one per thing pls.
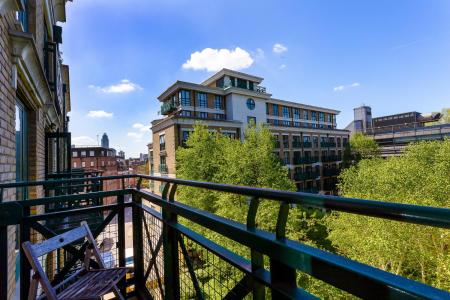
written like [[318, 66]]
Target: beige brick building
[[34, 101], [308, 141]]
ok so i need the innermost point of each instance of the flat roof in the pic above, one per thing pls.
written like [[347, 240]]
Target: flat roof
[[232, 73]]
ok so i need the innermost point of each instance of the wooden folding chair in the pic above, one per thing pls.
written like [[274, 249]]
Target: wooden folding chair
[[85, 283]]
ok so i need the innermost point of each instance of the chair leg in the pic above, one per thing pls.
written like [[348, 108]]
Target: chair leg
[[118, 293], [32, 292]]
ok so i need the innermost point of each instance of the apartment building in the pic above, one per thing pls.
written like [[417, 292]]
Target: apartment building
[[307, 140], [34, 101], [394, 132]]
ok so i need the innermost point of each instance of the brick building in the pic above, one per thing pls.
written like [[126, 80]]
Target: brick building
[[34, 101], [307, 139]]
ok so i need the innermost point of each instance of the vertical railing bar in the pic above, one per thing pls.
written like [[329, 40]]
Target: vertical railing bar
[[280, 273], [4, 262], [121, 236], [25, 268], [257, 258], [170, 249], [138, 243]]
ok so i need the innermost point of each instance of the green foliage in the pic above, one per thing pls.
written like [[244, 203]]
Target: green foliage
[[420, 176], [363, 147], [212, 157]]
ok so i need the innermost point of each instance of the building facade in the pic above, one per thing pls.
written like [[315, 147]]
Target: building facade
[[34, 101], [307, 140], [394, 132]]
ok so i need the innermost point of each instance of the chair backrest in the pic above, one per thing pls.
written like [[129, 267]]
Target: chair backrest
[[34, 251]]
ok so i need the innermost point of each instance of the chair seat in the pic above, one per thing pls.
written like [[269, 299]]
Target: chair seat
[[93, 284]]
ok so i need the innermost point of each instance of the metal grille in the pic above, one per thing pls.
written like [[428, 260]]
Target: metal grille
[[153, 255]]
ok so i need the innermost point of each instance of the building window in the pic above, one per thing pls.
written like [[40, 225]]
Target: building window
[[74, 153], [91, 153], [274, 109], [203, 115], [162, 165], [286, 141], [305, 115], [267, 108], [329, 118], [296, 113], [103, 163], [185, 136], [219, 116], [313, 116], [201, 98], [321, 117], [23, 16], [74, 164], [285, 111], [83, 153], [296, 124], [250, 104], [287, 159], [316, 141], [241, 83], [251, 120], [92, 163], [218, 102], [83, 164], [186, 113], [162, 142], [185, 98]]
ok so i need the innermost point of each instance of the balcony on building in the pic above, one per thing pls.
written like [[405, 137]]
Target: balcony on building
[[156, 237]]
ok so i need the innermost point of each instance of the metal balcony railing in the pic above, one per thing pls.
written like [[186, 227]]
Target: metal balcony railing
[[307, 144], [296, 144], [167, 108], [306, 175], [331, 172], [171, 260], [329, 158]]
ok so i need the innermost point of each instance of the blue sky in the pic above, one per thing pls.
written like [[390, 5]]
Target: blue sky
[[392, 55]]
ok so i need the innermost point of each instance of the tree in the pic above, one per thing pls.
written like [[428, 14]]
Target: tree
[[363, 147], [420, 176], [210, 156]]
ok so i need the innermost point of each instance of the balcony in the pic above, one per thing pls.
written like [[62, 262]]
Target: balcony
[[329, 158], [296, 144], [308, 160], [331, 172], [306, 176], [307, 144], [171, 259], [327, 144], [163, 169], [167, 108]]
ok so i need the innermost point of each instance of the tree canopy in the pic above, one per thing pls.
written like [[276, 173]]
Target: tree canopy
[[420, 176]]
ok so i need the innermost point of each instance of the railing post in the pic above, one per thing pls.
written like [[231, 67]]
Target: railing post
[[138, 250], [25, 268], [121, 236], [4, 262], [256, 257], [170, 249], [282, 275]]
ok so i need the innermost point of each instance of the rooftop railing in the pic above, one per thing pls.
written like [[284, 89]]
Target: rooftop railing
[[172, 260]]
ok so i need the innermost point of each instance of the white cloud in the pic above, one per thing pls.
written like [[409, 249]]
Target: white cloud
[[213, 60], [340, 88], [279, 48], [141, 127], [283, 66], [99, 114], [83, 140], [122, 87]]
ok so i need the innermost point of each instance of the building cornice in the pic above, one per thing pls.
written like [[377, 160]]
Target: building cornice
[[303, 106], [229, 72], [188, 85]]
